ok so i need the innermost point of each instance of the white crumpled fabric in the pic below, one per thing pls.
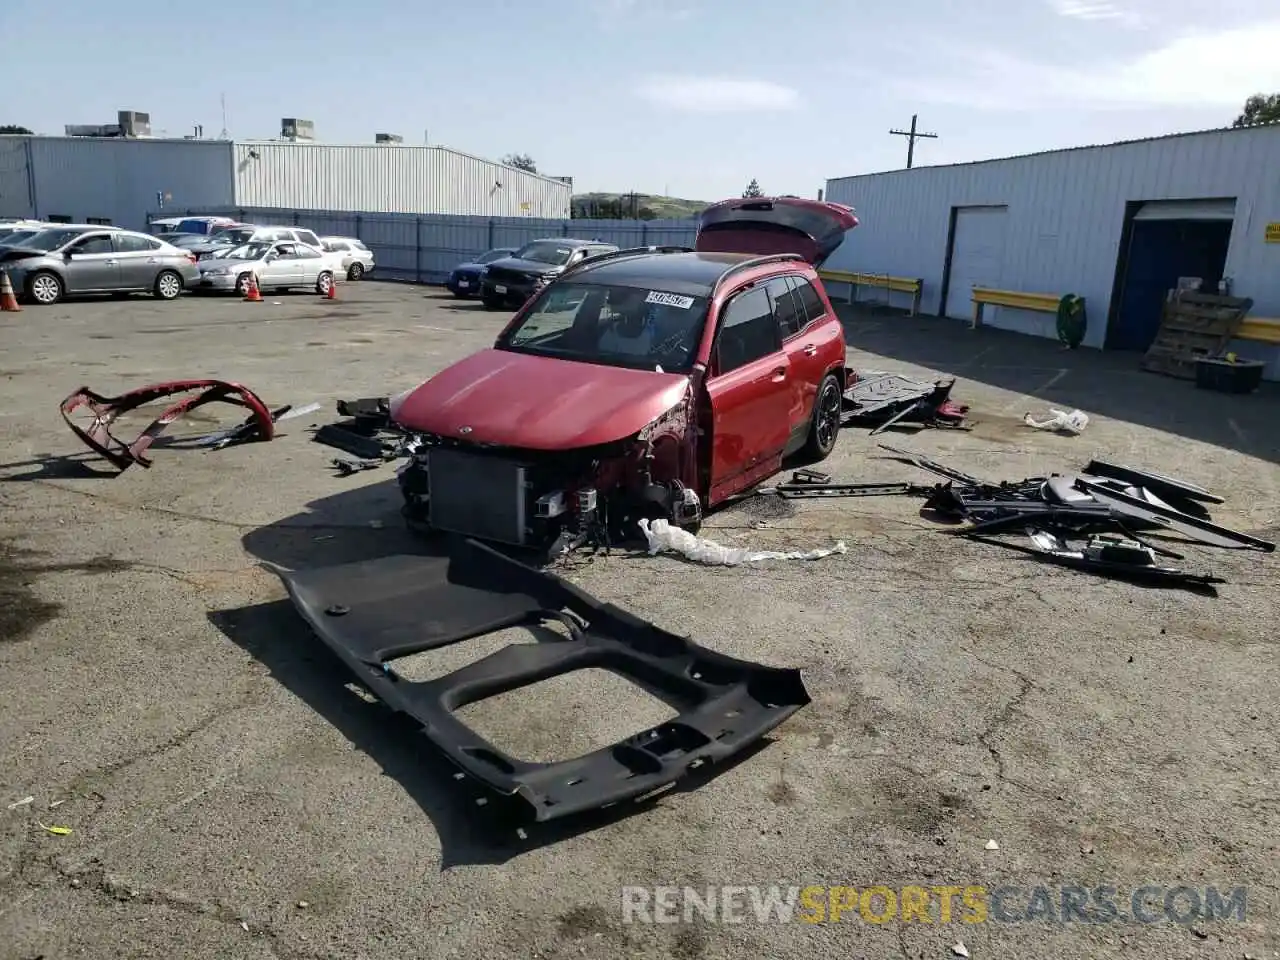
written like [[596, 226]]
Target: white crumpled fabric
[[1060, 421], [662, 536]]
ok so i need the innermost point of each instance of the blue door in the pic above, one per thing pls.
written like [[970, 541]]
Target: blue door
[[1161, 251]]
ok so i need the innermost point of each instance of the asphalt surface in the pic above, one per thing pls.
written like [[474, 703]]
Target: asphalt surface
[[227, 795]]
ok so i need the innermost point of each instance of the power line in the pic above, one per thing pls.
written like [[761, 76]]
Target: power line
[[912, 136]]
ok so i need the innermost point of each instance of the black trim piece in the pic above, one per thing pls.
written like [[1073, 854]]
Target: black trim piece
[[1164, 487], [1194, 527], [946, 262], [371, 612]]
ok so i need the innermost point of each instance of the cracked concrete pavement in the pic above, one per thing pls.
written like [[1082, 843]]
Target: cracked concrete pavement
[[230, 795]]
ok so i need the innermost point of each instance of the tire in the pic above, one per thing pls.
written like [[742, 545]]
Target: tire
[[242, 284], [45, 288], [168, 286], [323, 283], [825, 425], [355, 272]]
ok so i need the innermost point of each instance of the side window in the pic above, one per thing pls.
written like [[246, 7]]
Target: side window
[[786, 308], [281, 235], [307, 237], [129, 244], [99, 244], [809, 300], [304, 252], [287, 250], [748, 331]]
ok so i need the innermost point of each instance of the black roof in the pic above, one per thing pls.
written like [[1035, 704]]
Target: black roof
[[690, 274]]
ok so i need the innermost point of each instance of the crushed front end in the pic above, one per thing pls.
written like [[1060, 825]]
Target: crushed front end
[[554, 501]]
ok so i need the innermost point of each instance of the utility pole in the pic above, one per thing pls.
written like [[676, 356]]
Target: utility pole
[[912, 136]]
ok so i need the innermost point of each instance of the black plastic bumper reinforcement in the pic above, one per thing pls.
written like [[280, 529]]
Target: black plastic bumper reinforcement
[[373, 612], [1196, 528]]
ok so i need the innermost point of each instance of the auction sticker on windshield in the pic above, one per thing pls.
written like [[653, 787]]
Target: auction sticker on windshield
[[669, 299]]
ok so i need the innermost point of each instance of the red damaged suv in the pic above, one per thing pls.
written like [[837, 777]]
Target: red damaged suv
[[649, 383]]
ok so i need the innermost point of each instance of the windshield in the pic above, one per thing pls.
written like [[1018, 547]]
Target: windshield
[[493, 255], [546, 251], [17, 237], [47, 240], [247, 251], [235, 235], [616, 326]]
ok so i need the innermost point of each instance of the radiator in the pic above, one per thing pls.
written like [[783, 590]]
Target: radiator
[[476, 496]]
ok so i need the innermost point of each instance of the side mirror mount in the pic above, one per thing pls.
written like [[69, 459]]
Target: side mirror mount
[[270, 256]]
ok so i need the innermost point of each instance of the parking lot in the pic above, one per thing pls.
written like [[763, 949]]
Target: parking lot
[[224, 788]]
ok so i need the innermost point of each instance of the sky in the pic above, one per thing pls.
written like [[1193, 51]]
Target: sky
[[690, 98]]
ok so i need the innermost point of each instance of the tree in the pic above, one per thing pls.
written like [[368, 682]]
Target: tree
[[753, 189], [1259, 109], [14, 129], [521, 161]]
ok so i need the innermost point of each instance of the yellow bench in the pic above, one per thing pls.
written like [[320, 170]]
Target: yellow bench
[[1014, 299], [1259, 330], [880, 281]]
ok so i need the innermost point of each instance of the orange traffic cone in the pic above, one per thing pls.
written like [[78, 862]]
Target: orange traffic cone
[[251, 292], [8, 302], [332, 292]]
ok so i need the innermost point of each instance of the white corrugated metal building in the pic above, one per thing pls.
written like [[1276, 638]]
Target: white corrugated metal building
[[122, 180], [1116, 224]]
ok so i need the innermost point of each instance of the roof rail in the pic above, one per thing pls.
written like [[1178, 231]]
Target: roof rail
[[755, 262], [629, 252]]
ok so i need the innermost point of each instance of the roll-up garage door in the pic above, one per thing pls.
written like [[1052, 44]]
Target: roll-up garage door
[[977, 256]]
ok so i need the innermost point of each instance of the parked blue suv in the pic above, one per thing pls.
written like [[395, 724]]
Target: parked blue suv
[[465, 279]]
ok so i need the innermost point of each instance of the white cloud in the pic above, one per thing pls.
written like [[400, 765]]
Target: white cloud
[[1103, 10], [1197, 69], [717, 94]]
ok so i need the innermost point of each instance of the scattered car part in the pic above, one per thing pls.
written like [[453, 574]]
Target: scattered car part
[[106, 410], [346, 467], [932, 466], [1108, 557], [225, 438], [369, 434], [663, 537], [371, 613], [1206, 531], [814, 491], [888, 399], [1167, 487], [806, 475], [1060, 421]]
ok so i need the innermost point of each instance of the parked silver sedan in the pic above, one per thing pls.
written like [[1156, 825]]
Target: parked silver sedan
[[75, 259], [356, 258], [281, 265]]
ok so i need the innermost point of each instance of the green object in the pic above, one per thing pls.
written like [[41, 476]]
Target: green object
[[1072, 321]]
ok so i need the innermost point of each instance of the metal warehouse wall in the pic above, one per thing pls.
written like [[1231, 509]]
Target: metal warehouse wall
[[425, 248], [1066, 211], [374, 178], [115, 179]]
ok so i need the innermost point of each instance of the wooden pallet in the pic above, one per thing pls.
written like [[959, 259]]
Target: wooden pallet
[[1194, 325]]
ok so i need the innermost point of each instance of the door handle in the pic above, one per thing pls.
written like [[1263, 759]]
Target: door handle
[[810, 349], [108, 261], [779, 374]]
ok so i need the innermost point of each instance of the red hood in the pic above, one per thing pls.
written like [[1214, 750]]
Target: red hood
[[518, 400]]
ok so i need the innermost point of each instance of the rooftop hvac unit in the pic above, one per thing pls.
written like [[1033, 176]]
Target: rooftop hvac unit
[[387, 138], [293, 129], [134, 124]]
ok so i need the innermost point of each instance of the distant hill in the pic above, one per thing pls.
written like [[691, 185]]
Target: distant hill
[[615, 204]]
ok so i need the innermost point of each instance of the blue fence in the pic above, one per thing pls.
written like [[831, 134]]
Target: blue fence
[[423, 249]]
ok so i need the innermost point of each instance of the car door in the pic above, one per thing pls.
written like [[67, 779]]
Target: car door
[[800, 362], [283, 270], [92, 264], [311, 263], [750, 394], [139, 260]]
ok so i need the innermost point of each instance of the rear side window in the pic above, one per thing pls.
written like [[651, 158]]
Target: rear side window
[[748, 331], [306, 236], [786, 307], [809, 300], [126, 243], [359, 246]]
